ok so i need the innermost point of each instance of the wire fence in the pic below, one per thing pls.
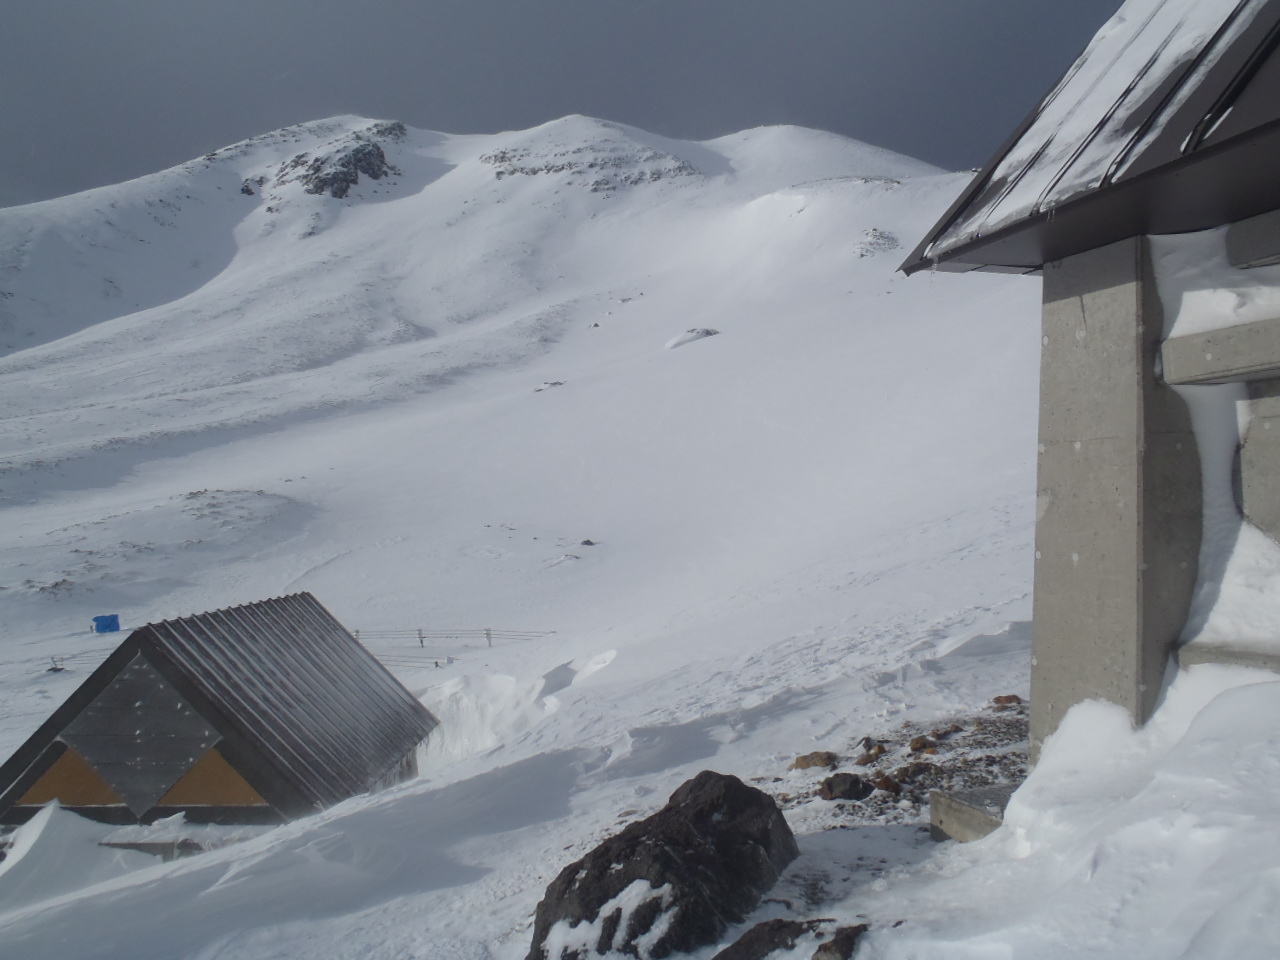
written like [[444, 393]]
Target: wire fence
[[418, 648], [471, 636], [405, 648], [59, 662]]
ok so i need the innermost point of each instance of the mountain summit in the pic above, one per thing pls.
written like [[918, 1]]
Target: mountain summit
[[348, 261]]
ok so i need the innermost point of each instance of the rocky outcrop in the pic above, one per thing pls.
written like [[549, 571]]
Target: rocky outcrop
[[339, 169], [876, 241], [609, 162], [767, 938], [336, 173], [672, 882]]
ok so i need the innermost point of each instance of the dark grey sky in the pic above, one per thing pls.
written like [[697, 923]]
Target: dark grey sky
[[97, 91]]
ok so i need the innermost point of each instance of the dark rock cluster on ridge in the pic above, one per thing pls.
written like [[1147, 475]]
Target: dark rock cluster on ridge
[[338, 170], [604, 165], [337, 173]]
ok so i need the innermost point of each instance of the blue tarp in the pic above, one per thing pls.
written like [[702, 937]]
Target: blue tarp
[[107, 623]]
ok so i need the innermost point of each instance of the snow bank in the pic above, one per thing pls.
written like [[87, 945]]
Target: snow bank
[[1200, 289], [1158, 843], [1237, 596], [57, 852]]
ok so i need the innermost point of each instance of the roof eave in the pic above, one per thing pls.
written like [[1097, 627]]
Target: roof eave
[[1221, 184]]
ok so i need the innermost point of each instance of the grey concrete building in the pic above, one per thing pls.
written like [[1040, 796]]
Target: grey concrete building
[[1165, 131]]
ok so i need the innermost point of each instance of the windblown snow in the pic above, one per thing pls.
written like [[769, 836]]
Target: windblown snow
[[434, 380]]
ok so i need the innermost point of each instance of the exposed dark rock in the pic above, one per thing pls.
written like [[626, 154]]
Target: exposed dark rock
[[604, 165], [921, 744], [819, 758], [672, 882], [842, 943], [336, 175], [887, 784], [914, 771], [875, 241], [874, 753], [336, 171], [989, 748], [389, 130], [845, 786], [766, 938]]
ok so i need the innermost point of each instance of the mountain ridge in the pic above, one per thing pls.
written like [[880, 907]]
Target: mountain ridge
[[231, 248]]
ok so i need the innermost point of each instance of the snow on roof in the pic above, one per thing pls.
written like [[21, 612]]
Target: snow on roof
[[1089, 125], [1144, 78]]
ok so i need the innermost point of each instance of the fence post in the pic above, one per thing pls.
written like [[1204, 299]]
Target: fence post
[[421, 640], [488, 636]]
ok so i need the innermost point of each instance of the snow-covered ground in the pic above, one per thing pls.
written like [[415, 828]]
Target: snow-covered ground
[[420, 401]]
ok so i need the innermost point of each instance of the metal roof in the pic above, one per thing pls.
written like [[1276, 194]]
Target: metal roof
[[1168, 122], [300, 688], [288, 695]]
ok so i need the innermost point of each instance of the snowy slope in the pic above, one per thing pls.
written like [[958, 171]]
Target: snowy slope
[[420, 399], [400, 346]]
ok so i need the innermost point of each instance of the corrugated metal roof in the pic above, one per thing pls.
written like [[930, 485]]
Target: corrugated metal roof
[[300, 688], [1164, 84]]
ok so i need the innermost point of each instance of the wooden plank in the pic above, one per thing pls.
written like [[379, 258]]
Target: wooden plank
[[73, 783], [212, 782]]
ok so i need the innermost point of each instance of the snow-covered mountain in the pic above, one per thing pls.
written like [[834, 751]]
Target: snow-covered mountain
[[665, 404], [406, 329]]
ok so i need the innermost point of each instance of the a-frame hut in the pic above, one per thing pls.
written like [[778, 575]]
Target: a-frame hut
[[1168, 124], [253, 714]]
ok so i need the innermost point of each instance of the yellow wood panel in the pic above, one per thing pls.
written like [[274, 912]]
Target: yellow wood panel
[[212, 782], [73, 783]]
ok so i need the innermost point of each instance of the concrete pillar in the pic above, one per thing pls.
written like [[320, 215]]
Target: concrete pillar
[[1119, 504], [1258, 489]]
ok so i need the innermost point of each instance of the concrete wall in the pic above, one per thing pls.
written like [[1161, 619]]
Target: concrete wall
[[1119, 501], [1258, 483], [1248, 351]]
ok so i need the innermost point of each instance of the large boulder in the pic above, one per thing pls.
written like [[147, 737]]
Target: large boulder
[[672, 882]]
